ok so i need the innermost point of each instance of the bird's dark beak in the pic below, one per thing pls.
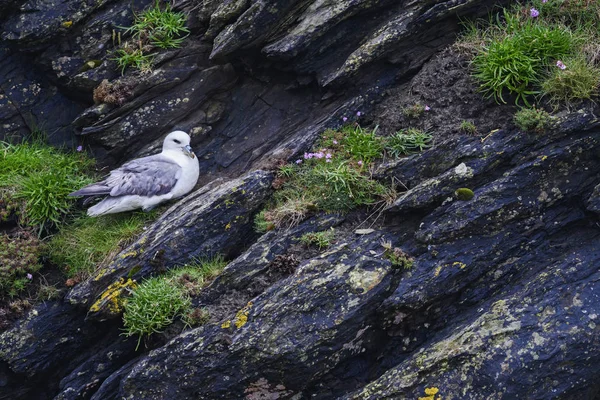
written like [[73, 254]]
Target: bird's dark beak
[[187, 150]]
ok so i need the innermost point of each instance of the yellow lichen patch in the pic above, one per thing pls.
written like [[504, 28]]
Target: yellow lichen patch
[[459, 264], [228, 226], [438, 269], [242, 316], [431, 394], [111, 299], [226, 324], [129, 254], [431, 391], [67, 24]]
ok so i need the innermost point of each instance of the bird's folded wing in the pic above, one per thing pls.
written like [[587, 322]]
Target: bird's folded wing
[[148, 176]]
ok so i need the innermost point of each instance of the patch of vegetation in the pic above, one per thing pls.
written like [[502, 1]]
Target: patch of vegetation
[[578, 81], [158, 27], [112, 92], [322, 240], [19, 260], [407, 141], [414, 111], [153, 306], [129, 56], [361, 144], [196, 317], [163, 28], [335, 176], [397, 256], [532, 119], [261, 225], [468, 127], [196, 275], [35, 180], [157, 302], [81, 247], [523, 51]]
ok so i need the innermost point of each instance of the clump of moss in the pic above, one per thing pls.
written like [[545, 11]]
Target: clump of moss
[[19, 260], [116, 93], [532, 119], [464, 194], [413, 111]]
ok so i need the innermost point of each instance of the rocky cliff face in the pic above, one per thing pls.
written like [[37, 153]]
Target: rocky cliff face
[[501, 302]]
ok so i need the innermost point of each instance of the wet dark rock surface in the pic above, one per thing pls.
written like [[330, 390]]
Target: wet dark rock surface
[[502, 301]]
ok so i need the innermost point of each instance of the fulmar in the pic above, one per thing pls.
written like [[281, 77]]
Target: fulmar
[[148, 181]]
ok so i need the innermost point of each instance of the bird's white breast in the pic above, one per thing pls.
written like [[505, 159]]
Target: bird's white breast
[[190, 170]]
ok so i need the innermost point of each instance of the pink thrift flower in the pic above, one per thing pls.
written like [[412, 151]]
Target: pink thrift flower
[[427, 108], [298, 161], [328, 155], [358, 113], [561, 65], [335, 141], [29, 276], [79, 148], [360, 163], [544, 1], [534, 13], [327, 160], [344, 119], [319, 155]]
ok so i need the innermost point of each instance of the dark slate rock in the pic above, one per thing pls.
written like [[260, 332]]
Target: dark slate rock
[[49, 344], [309, 323]]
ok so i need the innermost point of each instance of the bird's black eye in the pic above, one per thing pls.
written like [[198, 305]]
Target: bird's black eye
[[176, 141]]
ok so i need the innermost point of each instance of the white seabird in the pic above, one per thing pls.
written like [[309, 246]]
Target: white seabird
[[146, 182]]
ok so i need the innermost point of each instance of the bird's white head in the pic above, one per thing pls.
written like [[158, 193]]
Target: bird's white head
[[178, 140]]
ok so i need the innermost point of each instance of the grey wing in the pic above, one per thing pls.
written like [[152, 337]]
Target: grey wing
[[148, 176]]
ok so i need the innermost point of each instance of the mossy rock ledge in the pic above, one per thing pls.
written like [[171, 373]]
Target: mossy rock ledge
[[501, 300]]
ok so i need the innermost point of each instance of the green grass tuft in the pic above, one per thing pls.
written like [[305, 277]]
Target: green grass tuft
[[163, 28], [131, 57], [158, 301], [321, 240], [468, 127], [407, 141], [195, 275], [577, 82], [37, 178], [78, 249], [361, 144], [153, 306], [517, 52], [157, 27]]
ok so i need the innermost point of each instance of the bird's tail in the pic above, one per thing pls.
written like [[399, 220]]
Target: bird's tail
[[95, 189], [106, 206]]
